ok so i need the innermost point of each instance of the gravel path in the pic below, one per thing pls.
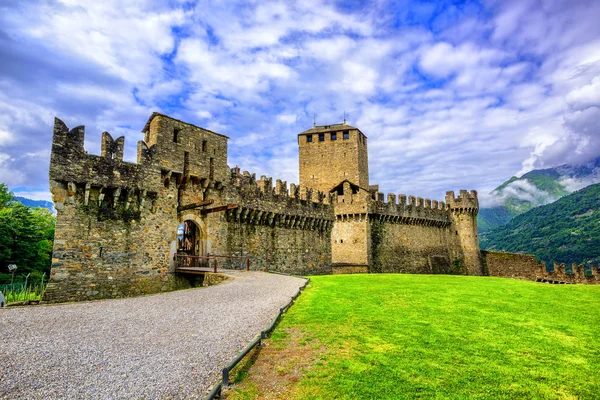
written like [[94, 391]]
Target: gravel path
[[170, 345]]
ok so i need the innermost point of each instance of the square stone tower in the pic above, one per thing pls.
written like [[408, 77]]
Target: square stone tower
[[330, 154]]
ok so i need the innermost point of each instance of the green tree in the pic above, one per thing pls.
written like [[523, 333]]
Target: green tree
[[26, 236]]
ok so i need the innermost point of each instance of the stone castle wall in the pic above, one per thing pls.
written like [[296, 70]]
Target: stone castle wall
[[413, 237], [281, 229], [117, 222]]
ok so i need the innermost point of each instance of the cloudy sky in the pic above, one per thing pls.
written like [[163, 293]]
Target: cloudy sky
[[451, 96]]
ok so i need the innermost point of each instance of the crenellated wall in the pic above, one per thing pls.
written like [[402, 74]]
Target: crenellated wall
[[283, 229]]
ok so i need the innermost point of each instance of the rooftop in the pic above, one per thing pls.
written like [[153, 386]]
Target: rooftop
[[157, 114], [329, 128]]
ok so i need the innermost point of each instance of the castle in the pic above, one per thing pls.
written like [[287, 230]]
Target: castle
[[123, 227]]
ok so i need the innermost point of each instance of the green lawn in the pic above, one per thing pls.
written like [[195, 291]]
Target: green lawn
[[385, 336]]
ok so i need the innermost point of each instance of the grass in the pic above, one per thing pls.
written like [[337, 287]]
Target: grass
[[19, 293], [432, 337]]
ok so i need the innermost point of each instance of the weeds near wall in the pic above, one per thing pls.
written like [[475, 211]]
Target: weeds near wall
[[23, 292], [459, 267]]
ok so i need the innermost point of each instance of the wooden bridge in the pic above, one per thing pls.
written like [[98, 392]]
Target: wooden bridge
[[187, 264]]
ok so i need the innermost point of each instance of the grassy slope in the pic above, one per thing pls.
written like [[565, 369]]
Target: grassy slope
[[435, 336], [565, 231]]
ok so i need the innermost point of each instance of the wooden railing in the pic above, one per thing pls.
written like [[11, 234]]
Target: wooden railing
[[185, 261]]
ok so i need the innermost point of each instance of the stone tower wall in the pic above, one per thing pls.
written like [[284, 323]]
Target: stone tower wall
[[463, 212], [351, 234], [324, 164], [113, 228], [184, 148]]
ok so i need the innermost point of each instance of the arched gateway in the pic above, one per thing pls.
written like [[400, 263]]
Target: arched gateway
[[191, 244]]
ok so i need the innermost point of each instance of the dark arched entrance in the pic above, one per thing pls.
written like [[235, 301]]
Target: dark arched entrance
[[189, 239]]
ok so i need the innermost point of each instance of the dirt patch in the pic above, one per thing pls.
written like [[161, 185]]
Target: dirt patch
[[274, 369]]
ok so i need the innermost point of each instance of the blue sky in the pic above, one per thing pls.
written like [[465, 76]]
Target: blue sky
[[452, 95]]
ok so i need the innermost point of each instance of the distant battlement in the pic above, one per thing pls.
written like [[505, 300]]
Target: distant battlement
[[410, 210], [262, 203], [247, 183], [466, 202]]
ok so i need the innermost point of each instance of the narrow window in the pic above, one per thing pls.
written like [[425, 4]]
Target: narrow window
[[176, 135], [346, 135], [333, 135], [321, 137], [204, 146], [341, 240], [308, 138]]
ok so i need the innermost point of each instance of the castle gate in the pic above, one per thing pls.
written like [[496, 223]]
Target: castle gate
[[191, 247]]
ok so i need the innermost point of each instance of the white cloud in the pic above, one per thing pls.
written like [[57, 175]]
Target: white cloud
[[586, 96], [487, 92]]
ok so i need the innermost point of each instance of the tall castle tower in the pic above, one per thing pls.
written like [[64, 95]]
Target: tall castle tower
[[330, 154], [463, 212]]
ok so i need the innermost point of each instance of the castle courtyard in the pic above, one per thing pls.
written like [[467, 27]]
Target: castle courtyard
[[170, 345]]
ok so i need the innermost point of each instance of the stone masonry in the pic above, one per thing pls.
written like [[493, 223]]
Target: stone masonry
[[118, 223]]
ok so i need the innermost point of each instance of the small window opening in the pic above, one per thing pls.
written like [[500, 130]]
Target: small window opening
[[176, 132], [333, 135], [321, 137], [308, 138], [346, 135], [204, 146], [341, 240]]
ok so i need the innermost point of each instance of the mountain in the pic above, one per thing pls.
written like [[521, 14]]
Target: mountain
[[565, 231], [36, 203], [535, 188]]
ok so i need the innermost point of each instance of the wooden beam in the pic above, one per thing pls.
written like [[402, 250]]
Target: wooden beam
[[220, 208], [195, 205]]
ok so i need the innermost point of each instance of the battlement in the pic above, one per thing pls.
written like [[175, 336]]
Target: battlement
[[410, 209], [263, 188], [466, 202], [69, 163]]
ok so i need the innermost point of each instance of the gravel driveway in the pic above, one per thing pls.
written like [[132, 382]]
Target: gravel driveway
[[170, 345]]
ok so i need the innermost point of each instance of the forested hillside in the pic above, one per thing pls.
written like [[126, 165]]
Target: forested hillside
[[26, 238], [566, 231]]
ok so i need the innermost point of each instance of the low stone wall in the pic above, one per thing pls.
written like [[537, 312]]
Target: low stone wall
[[525, 266], [512, 265]]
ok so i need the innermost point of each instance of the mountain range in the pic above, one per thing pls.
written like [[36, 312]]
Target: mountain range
[[535, 188], [36, 203]]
